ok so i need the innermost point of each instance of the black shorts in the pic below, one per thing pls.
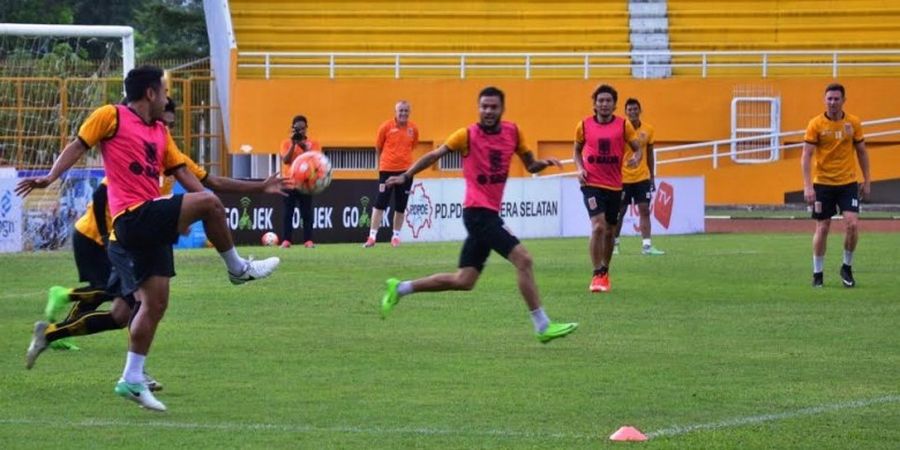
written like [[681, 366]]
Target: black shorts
[[486, 233], [143, 245], [401, 193], [151, 224], [114, 288], [830, 198], [640, 192], [132, 267], [606, 201], [91, 260]]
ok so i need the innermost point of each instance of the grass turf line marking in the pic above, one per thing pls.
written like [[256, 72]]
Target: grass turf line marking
[[298, 428], [753, 420], [20, 295], [292, 428]]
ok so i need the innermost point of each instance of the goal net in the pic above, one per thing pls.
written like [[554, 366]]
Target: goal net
[[51, 78]]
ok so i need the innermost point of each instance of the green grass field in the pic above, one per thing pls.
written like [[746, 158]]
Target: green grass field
[[721, 343]]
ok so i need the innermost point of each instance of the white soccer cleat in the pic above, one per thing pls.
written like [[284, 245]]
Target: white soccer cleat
[[140, 394], [255, 270], [37, 345]]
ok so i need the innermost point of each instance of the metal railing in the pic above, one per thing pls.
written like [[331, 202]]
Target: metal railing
[[642, 64], [715, 154]]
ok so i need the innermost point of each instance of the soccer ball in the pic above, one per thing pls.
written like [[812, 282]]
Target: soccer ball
[[311, 172], [269, 239]]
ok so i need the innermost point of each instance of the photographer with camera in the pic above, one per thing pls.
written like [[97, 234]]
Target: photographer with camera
[[291, 148]]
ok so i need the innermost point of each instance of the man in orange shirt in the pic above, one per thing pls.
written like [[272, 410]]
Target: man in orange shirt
[[290, 149], [638, 182], [835, 137], [393, 147]]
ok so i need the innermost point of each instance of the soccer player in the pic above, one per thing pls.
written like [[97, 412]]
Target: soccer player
[[135, 145], [89, 244], [93, 268], [834, 137], [394, 145], [487, 148], [638, 182], [89, 237], [290, 149], [600, 141]]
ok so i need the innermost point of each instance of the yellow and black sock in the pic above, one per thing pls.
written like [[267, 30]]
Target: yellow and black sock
[[91, 323], [90, 295], [86, 300]]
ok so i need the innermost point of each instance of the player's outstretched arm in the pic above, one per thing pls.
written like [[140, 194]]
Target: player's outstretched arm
[[274, 184], [188, 180], [537, 165], [69, 156], [420, 165]]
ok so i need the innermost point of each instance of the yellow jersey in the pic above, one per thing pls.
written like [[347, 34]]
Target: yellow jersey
[[835, 155]]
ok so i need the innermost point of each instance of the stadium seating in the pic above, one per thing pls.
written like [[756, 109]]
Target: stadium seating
[[784, 25], [432, 27]]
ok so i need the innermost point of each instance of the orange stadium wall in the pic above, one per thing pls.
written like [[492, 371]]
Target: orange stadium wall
[[347, 112]]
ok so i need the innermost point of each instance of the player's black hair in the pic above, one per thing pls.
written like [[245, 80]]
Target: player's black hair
[[632, 101], [140, 79], [836, 87], [491, 91], [299, 118], [605, 89]]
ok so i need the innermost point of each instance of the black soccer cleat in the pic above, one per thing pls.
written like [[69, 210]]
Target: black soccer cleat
[[847, 276], [818, 279]]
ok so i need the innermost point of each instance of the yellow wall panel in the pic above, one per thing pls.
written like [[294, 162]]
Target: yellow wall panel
[[348, 112]]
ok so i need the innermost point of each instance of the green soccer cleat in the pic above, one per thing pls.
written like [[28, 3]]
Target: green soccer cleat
[[652, 251], [57, 301], [391, 297], [556, 330], [65, 344]]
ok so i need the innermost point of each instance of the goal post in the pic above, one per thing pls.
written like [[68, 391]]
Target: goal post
[[106, 31], [51, 78]]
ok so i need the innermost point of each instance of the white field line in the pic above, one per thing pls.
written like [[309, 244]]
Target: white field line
[[292, 428], [23, 295], [427, 431], [753, 420]]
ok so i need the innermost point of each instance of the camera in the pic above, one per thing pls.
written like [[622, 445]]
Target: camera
[[298, 136]]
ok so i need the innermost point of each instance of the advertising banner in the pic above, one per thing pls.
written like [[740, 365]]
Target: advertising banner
[[530, 208], [340, 214], [49, 214], [677, 207], [10, 212]]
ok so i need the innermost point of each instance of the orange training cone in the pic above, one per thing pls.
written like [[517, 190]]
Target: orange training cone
[[628, 434]]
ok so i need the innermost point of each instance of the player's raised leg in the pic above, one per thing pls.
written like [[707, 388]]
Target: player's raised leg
[[206, 207]]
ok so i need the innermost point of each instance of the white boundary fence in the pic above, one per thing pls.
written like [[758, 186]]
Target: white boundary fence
[[714, 153], [642, 63]]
